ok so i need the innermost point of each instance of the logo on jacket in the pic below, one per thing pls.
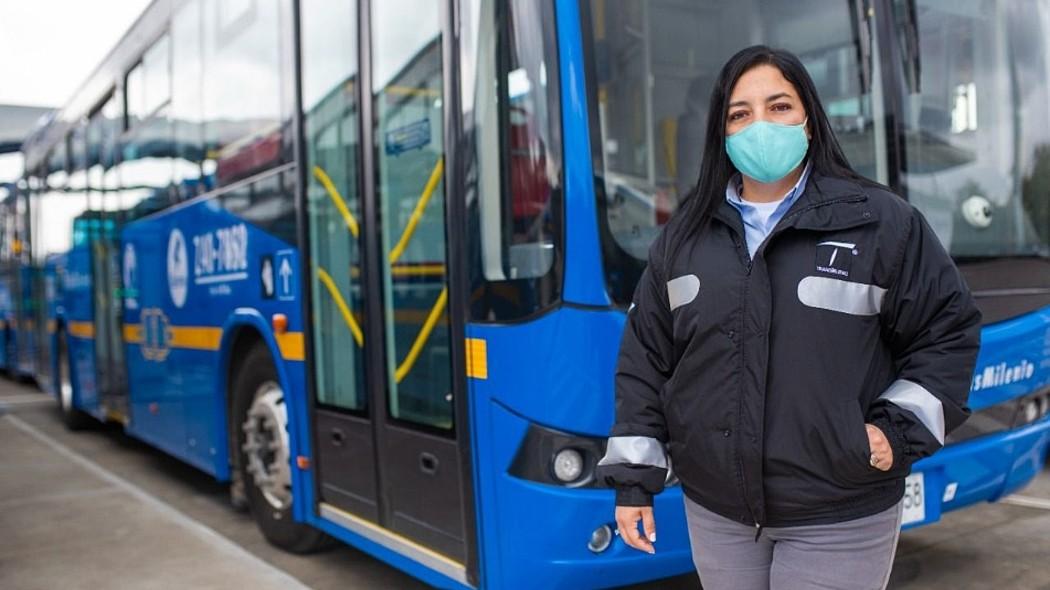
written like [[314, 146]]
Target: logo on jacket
[[835, 257]]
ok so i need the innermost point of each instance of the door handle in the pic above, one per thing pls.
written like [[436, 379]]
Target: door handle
[[337, 437], [428, 463]]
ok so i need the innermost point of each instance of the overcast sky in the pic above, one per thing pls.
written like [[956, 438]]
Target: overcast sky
[[48, 47]]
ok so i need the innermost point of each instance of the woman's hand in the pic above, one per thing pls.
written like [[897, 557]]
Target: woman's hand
[[627, 525], [879, 448]]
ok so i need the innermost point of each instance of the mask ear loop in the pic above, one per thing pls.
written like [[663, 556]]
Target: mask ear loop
[[805, 128]]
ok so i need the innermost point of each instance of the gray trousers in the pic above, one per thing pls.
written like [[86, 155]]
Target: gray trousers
[[853, 555]]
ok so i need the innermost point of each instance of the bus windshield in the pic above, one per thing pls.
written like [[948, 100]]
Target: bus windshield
[[654, 66], [972, 168], [976, 125]]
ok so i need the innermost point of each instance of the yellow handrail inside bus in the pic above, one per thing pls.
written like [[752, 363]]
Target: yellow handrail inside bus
[[341, 304], [424, 334], [337, 199], [400, 271], [396, 253], [417, 213]]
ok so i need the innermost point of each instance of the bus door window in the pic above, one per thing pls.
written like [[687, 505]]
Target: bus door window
[[409, 151], [514, 184], [330, 80]]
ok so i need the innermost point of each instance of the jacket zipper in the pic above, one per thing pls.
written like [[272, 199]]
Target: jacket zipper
[[750, 265]]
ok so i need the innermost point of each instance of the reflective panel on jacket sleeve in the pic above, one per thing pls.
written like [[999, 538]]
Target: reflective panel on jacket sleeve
[[915, 398], [634, 450]]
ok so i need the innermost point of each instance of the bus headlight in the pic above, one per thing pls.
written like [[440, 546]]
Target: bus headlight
[[568, 465], [1032, 407], [559, 458], [1031, 410]]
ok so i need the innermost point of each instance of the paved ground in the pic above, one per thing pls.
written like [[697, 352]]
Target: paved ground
[[81, 510]]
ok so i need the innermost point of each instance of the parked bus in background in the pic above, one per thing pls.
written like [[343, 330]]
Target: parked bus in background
[[369, 261], [8, 202], [23, 312]]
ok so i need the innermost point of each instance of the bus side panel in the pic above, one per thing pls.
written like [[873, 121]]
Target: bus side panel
[[6, 316], [47, 372], [25, 364], [573, 393], [191, 270], [1014, 361], [80, 330]]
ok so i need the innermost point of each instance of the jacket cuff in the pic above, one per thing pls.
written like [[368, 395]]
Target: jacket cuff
[[899, 444], [633, 496]]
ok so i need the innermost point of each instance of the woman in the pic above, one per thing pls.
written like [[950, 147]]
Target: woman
[[798, 339]]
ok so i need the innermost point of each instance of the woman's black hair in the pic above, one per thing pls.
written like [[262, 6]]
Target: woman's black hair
[[825, 155]]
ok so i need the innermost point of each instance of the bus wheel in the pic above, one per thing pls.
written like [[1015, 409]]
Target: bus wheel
[[264, 463], [73, 418]]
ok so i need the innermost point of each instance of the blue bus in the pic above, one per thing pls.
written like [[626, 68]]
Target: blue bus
[[9, 195], [368, 261], [23, 312]]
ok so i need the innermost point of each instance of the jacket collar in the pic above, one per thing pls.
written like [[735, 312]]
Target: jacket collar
[[831, 204], [828, 204]]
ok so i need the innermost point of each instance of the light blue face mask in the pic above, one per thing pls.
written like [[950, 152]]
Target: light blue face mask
[[767, 151]]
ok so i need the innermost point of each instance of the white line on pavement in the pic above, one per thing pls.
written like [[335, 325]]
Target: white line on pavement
[[1027, 502], [25, 397], [9, 403], [200, 530]]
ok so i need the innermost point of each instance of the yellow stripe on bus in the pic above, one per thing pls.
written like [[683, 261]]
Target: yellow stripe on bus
[[292, 346], [194, 337], [133, 333], [84, 330], [477, 358]]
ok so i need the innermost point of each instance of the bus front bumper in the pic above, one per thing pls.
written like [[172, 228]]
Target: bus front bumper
[[984, 469]]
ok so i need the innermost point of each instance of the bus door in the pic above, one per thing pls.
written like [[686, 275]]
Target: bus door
[[27, 304], [107, 300], [106, 292], [26, 315], [387, 445]]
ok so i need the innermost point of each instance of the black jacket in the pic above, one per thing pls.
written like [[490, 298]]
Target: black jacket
[[757, 376]]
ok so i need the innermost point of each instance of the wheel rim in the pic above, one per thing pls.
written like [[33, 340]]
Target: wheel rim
[[266, 445], [65, 383]]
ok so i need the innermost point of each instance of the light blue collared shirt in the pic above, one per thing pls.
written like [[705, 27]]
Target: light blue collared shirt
[[760, 218]]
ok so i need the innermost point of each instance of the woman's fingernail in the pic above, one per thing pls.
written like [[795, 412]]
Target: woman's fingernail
[[652, 537], [652, 551]]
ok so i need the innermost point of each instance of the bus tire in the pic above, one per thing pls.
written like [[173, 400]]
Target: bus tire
[[263, 461], [73, 418]]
